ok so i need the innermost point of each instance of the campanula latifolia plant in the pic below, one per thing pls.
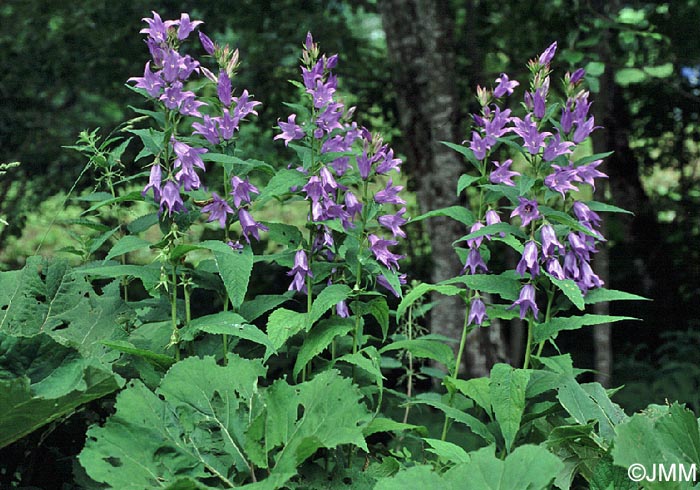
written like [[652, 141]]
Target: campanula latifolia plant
[[221, 386]]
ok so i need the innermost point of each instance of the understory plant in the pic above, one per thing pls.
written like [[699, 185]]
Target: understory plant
[[220, 385]]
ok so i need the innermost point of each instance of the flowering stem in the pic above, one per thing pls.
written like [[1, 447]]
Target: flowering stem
[[175, 337], [409, 388], [547, 317], [528, 345], [458, 362]]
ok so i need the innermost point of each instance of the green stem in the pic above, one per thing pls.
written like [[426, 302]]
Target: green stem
[[528, 345], [458, 362], [409, 388], [175, 337], [547, 317]]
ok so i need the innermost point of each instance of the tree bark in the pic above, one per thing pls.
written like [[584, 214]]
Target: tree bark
[[421, 51]]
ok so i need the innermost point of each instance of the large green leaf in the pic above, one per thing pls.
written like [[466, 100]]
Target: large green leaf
[[423, 289], [319, 338], [283, 324], [235, 267], [42, 380], [552, 328], [527, 467], [507, 390], [194, 426], [332, 415], [660, 435], [326, 299], [590, 402], [424, 348]]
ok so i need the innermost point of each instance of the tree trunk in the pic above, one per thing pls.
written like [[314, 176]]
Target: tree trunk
[[421, 51]]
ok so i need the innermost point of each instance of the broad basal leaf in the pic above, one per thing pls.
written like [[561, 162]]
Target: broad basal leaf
[[507, 390], [42, 380]]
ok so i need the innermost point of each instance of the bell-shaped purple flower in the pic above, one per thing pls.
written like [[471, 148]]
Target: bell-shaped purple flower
[[290, 130], [394, 222], [502, 174], [549, 241], [379, 248], [207, 43], [527, 210], [526, 301], [154, 182], [548, 54], [186, 26], [505, 86], [223, 88], [477, 312], [218, 210], [528, 261], [474, 262], [249, 225], [300, 271], [241, 190], [390, 194], [171, 198]]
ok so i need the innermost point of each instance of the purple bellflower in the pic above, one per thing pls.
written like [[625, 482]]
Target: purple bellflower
[[526, 301], [218, 210], [477, 312], [527, 210]]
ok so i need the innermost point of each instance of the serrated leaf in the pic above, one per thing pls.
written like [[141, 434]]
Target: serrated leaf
[[261, 304], [376, 307], [188, 429], [477, 389], [283, 324], [422, 289], [142, 223], [465, 181], [280, 184], [126, 244], [228, 323], [368, 360], [466, 152], [284, 234], [474, 424], [589, 402], [659, 435], [493, 230], [235, 268], [506, 285], [447, 451], [507, 390], [382, 424], [606, 208], [42, 380], [531, 467], [161, 361], [319, 338], [332, 415], [457, 213], [570, 290], [326, 299], [599, 295], [425, 349], [551, 329]]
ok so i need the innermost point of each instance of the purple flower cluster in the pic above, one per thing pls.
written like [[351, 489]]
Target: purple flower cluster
[[560, 251], [331, 133], [164, 79]]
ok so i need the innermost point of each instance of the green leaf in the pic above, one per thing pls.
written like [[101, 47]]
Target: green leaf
[[142, 223], [507, 390], [381, 424], [283, 324], [149, 274], [425, 349], [261, 304], [506, 285], [235, 268], [332, 415], [378, 308], [422, 289], [551, 329], [659, 71], [474, 424], [659, 435], [601, 207], [188, 429], [367, 359], [629, 76], [327, 298], [531, 467], [477, 389], [570, 290], [466, 152], [161, 361], [420, 476], [590, 402], [280, 184], [284, 234], [600, 295], [229, 323], [457, 213], [465, 181], [42, 380], [127, 244], [493, 230], [319, 338], [595, 68], [447, 451]]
